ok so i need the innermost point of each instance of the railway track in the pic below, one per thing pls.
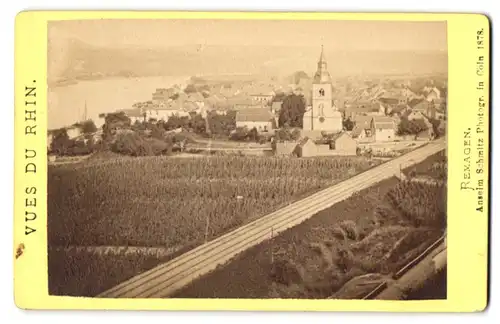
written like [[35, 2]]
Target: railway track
[[165, 279]]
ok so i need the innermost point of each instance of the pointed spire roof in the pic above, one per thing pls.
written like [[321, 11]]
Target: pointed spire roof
[[322, 75], [322, 56]]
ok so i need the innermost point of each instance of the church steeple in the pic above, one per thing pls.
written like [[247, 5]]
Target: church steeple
[[322, 75], [322, 56]]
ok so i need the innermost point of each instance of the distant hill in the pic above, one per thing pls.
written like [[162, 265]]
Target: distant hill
[[73, 60]]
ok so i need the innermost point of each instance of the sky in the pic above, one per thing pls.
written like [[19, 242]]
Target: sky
[[345, 35]]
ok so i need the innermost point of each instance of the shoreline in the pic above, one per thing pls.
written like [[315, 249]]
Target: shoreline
[[52, 85]]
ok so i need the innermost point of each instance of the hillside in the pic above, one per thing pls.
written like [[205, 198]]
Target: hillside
[[73, 60]]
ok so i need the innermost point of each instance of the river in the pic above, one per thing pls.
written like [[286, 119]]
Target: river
[[66, 104]]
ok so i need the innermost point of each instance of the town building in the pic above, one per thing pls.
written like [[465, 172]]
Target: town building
[[391, 100], [260, 118], [306, 148], [362, 130], [383, 129], [425, 107], [414, 115], [343, 144], [163, 94], [135, 114], [433, 93], [395, 110], [363, 121], [339, 144], [284, 148], [360, 133], [366, 108], [322, 115], [73, 131], [262, 98]]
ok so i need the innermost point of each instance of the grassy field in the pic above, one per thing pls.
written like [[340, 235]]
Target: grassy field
[[87, 274], [373, 233]]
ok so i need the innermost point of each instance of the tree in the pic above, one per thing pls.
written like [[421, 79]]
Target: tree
[[411, 127], [62, 145], [118, 120], [134, 144], [279, 96], [222, 124], [438, 127], [157, 132], [287, 134], [292, 111], [88, 127], [244, 134], [175, 122], [253, 135], [297, 76], [60, 142], [239, 134], [197, 124], [348, 124], [190, 88]]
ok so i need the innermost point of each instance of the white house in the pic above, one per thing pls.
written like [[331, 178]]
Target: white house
[[433, 94], [135, 115], [73, 131], [260, 118], [383, 128]]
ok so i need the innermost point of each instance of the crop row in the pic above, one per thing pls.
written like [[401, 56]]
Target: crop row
[[87, 274], [168, 202], [342, 252]]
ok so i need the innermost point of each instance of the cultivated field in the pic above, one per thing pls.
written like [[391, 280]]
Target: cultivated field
[[344, 251], [164, 202], [434, 167]]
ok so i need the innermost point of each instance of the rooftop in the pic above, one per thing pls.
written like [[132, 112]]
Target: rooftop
[[383, 122], [254, 115]]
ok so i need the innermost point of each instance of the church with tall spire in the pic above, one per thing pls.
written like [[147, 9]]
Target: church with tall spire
[[322, 115]]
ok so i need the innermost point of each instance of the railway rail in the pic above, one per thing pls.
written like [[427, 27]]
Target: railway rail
[[163, 280]]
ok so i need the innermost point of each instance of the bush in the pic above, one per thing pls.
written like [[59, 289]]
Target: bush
[[411, 127], [222, 124], [244, 134], [63, 146], [285, 272], [88, 127], [421, 204], [287, 134], [350, 229], [135, 145]]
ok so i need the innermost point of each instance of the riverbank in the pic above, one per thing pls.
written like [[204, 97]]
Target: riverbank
[[67, 104]]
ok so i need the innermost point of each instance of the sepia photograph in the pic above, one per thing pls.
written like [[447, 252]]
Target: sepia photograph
[[251, 158]]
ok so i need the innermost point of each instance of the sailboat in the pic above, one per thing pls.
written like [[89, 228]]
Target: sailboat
[[85, 112]]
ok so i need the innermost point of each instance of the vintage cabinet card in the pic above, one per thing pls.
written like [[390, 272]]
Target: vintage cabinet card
[[251, 161]]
